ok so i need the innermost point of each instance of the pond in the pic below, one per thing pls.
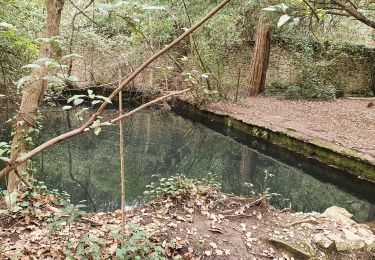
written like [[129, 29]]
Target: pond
[[160, 143]]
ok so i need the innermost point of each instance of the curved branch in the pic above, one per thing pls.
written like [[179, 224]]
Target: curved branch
[[354, 12]]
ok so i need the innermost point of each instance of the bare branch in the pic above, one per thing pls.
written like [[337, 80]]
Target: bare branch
[[354, 12]]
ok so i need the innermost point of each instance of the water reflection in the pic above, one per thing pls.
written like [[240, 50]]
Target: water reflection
[[160, 144]]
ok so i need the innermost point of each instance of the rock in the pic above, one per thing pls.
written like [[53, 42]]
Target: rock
[[298, 251], [339, 214], [322, 241], [349, 239]]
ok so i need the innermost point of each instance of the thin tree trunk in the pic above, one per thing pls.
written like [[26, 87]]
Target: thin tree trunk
[[33, 93], [260, 59], [122, 161]]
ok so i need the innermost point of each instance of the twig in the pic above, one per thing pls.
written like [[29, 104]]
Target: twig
[[300, 222], [215, 230], [82, 12]]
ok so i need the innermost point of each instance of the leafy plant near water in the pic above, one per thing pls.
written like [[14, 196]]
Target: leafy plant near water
[[68, 215], [29, 202], [180, 187], [137, 245]]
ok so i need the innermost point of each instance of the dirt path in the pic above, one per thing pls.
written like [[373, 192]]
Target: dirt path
[[345, 122]]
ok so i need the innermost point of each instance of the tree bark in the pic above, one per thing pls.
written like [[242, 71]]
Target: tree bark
[[33, 93], [260, 59]]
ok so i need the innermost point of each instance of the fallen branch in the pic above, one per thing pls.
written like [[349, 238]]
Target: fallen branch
[[13, 164]]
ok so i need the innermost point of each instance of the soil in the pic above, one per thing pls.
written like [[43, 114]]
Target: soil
[[344, 122], [215, 226]]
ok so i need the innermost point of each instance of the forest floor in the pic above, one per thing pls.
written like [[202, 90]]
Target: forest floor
[[343, 122], [204, 226]]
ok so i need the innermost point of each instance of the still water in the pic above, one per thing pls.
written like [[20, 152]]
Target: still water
[[160, 143]]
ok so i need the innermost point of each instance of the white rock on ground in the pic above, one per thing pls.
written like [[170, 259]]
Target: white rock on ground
[[348, 236]]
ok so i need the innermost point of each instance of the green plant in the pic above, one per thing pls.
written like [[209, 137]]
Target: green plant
[[181, 188], [310, 91], [138, 245], [87, 248], [68, 215]]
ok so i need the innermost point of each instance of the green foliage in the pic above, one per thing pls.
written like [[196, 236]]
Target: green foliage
[[30, 202], [137, 245], [4, 151], [310, 90], [68, 214], [87, 248], [181, 188]]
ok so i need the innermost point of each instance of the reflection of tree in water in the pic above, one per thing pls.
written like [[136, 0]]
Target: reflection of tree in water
[[249, 160], [164, 144]]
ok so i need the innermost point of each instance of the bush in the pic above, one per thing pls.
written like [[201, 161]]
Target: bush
[[310, 91]]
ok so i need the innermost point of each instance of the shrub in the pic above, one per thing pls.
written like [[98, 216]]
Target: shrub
[[310, 91]]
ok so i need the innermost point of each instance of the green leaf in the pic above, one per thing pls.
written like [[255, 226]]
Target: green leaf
[[105, 99], [31, 66], [53, 79], [75, 97], [5, 159], [91, 93], [78, 101], [70, 56], [271, 8], [296, 21], [284, 7], [94, 102], [97, 130], [72, 78], [283, 19], [6, 25], [23, 80], [150, 7], [50, 64]]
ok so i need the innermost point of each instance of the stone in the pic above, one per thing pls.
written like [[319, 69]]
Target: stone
[[322, 241], [339, 214]]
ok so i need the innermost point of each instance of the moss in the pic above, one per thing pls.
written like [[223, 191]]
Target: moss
[[300, 251], [338, 157]]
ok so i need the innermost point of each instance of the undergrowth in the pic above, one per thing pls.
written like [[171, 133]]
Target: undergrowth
[[308, 90], [181, 188]]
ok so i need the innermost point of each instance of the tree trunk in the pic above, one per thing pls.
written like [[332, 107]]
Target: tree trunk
[[260, 59], [33, 93]]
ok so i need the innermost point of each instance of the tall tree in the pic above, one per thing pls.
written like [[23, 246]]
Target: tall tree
[[33, 93], [260, 59]]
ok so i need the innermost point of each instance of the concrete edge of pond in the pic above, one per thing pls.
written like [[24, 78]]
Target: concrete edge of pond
[[354, 162]]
